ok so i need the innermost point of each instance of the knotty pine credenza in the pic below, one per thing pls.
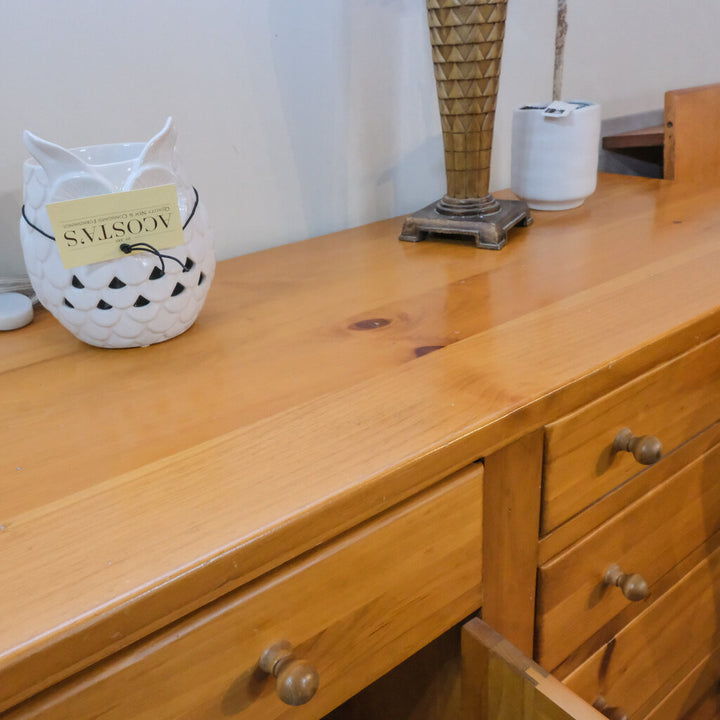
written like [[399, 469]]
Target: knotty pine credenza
[[361, 444]]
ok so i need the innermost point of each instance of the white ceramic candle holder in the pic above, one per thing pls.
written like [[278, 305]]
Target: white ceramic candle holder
[[555, 159], [133, 301]]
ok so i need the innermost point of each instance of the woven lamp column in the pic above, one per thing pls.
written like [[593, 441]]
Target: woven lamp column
[[467, 38]]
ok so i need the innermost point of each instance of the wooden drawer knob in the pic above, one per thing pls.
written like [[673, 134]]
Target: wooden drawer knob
[[297, 680], [614, 713], [633, 586], [646, 449]]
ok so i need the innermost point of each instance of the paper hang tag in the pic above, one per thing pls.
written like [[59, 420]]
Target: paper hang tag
[[92, 229], [559, 109]]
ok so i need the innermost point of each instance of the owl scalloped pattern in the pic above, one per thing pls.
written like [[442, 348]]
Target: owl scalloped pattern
[[133, 301]]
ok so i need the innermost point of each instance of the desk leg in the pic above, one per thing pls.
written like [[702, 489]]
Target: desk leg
[[511, 516]]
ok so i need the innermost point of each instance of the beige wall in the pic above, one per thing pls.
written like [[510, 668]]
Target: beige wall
[[299, 117]]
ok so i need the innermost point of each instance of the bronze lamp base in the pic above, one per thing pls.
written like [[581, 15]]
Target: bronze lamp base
[[484, 220], [466, 37]]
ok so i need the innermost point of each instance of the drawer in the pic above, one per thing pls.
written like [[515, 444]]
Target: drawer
[[353, 609], [649, 537], [695, 693], [649, 657], [673, 402], [500, 683]]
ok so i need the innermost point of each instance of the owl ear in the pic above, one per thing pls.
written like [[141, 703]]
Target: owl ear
[[55, 160], [160, 149], [68, 176], [157, 165]]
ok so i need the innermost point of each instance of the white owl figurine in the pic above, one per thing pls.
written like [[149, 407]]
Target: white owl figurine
[[131, 301]]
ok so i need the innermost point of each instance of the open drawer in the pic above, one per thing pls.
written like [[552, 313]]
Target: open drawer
[[500, 683]]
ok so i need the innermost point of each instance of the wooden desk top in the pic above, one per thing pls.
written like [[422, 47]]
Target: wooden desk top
[[323, 382]]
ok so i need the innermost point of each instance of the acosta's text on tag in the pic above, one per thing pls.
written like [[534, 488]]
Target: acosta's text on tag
[[151, 224]]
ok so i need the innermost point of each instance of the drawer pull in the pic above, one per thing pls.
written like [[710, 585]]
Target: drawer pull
[[614, 713], [646, 449], [297, 680], [633, 586]]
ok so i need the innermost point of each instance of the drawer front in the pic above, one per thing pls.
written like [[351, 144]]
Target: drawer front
[[649, 537], [673, 402], [650, 656], [696, 692], [353, 609]]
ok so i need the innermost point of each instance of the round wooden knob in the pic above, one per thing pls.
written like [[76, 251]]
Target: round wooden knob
[[633, 586], [646, 449], [297, 680], [614, 713]]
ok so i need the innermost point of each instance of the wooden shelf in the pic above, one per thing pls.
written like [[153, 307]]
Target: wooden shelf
[[645, 137]]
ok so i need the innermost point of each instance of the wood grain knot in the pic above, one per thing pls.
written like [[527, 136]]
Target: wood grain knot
[[370, 324], [425, 349]]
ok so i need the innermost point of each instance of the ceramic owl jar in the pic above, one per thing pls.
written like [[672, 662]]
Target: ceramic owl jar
[[144, 297]]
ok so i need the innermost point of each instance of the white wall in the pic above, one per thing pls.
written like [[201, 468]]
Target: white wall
[[300, 117], [626, 53]]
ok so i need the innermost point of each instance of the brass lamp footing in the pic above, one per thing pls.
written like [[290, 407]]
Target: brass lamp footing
[[484, 220]]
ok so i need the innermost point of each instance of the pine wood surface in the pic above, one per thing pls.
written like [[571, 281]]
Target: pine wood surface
[[351, 632], [138, 485], [648, 537], [692, 141], [605, 635], [695, 697], [500, 683], [708, 709], [513, 481], [643, 137], [619, 498], [669, 403], [653, 653]]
